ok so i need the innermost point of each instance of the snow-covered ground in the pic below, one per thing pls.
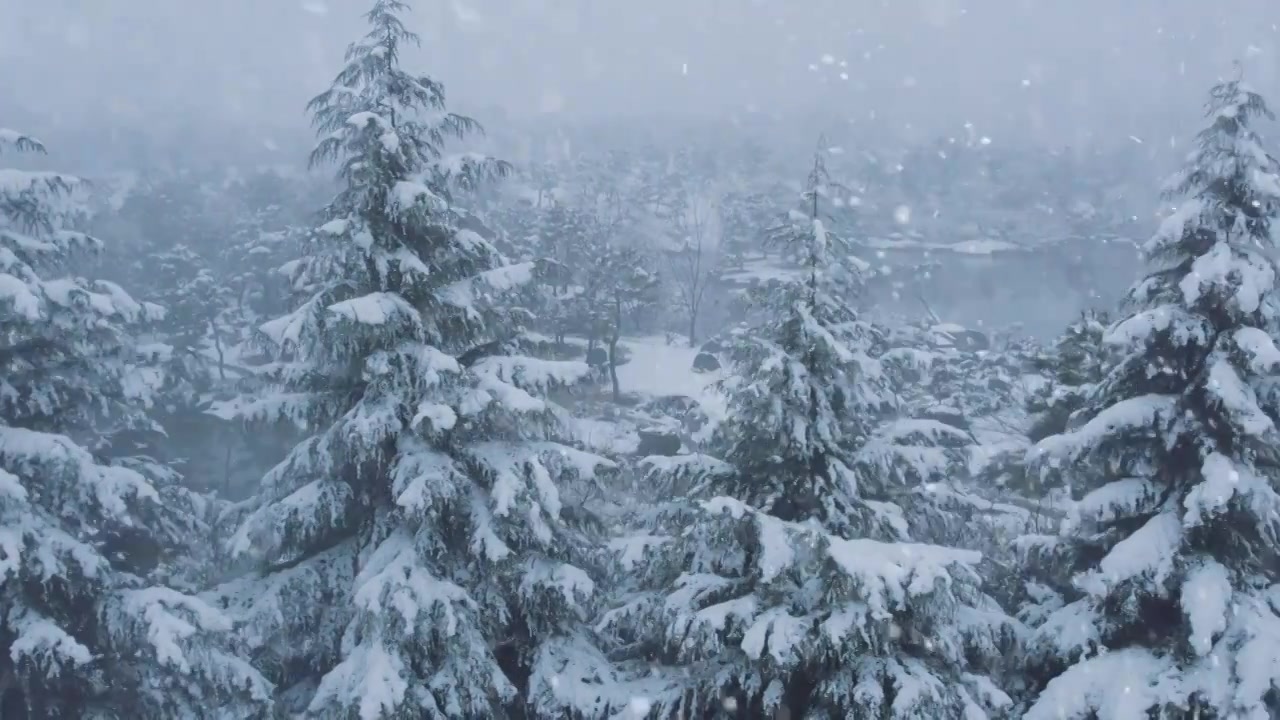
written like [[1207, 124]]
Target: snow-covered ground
[[655, 369], [659, 369], [609, 437], [760, 270]]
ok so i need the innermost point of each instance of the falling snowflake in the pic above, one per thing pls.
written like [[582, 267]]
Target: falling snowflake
[[77, 35], [551, 102], [902, 214], [465, 14]]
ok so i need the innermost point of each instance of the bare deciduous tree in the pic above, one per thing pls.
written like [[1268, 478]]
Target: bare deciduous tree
[[694, 260]]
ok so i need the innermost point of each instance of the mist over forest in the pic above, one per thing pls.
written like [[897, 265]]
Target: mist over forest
[[579, 360]]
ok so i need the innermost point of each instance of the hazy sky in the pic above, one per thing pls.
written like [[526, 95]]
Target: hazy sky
[[1053, 68]]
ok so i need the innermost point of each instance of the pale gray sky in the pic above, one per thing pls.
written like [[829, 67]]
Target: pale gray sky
[[1053, 69]]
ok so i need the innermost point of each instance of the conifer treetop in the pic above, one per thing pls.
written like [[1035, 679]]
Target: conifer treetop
[[1229, 172], [807, 383], [1174, 464], [807, 236], [1229, 189], [388, 127], [429, 503]]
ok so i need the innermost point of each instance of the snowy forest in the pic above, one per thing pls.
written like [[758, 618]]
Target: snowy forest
[[459, 415]]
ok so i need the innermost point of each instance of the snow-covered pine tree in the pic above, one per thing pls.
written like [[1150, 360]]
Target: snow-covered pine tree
[[561, 234], [254, 263], [779, 585], [1078, 361], [928, 439], [199, 309], [813, 357], [610, 283], [1172, 611], [84, 531], [1059, 384], [745, 213], [424, 558], [623, 285]]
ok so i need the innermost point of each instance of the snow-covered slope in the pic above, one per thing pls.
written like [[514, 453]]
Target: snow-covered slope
[[654, 370]]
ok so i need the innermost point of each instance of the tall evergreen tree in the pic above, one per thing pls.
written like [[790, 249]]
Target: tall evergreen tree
[[784, 584], [424, 561], [1078, 361], [86, 530], [745, 212], [814, 358], [1172, 609]]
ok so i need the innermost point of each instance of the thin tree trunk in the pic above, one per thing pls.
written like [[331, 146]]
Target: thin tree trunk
[[613, 369], [7, 680], [613, 348], [226, 472], [217, 343]]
